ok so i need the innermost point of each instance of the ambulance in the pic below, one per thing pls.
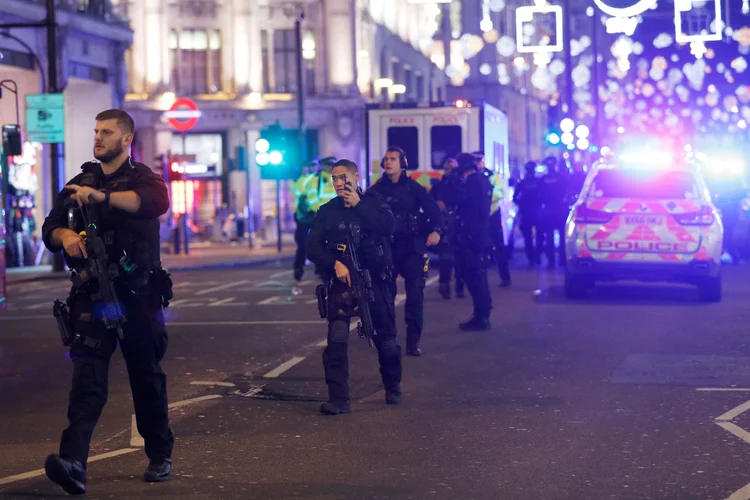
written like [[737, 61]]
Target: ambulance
[[644, 217], [430, 133]]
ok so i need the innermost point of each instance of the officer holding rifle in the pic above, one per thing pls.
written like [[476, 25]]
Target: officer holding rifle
[[106, 222], [350, 240]]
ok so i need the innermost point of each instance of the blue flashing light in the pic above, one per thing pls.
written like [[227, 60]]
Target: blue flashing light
[[553, 138]]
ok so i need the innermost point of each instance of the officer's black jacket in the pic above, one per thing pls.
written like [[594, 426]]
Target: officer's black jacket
[[405, 198], [136, 234], [528, 196], [333, 221], [473, 210]]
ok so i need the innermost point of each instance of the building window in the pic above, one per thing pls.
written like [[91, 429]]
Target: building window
[[420, 88], [445, 142], [407, 138], [196, 61], [309, 54], [18, 59], [88, 72], [284, 61]]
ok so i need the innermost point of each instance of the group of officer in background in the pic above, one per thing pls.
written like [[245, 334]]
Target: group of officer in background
[[460, 220], [543, 206]]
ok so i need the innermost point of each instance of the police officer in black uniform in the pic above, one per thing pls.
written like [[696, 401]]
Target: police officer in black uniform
[[368, 217], [528, 198], [472, 239], [555, 211], [441, 193], [125, 199], [406, 197]]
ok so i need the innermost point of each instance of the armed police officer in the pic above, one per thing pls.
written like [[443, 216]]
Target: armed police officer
[[472, 239], [442, 193], [303, 215], [497, 236], [528, 198], [419, 225], [555, 209], [355, 225], [116, 267]]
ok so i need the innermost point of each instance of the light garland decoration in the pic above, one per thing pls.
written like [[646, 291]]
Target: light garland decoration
[[525, 14]]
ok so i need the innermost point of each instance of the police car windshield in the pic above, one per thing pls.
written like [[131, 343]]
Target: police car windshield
[[644, 184]]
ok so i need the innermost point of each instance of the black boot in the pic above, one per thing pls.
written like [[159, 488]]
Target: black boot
[[393, 396], [158, 470], [475, 324], [413, 350], [69, 474], [445, 290], [335, 407]]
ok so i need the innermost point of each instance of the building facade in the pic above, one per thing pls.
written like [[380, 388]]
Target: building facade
[[483, 62], [92, 42], [236, 59]]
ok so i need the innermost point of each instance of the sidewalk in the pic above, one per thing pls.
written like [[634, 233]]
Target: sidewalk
[[204, 255]]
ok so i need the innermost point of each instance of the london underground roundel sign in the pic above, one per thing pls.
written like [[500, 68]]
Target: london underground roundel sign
[[183, 115], [624, 8]]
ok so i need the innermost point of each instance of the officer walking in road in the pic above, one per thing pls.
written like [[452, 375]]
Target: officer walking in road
[[472, 239], [316, 192], [448, 184], [123, 200], [303, 215], [528, 198], [500, 251], [368, 217], [554, 211], [417, 216]]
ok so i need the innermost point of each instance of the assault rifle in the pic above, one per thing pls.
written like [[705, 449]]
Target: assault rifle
[[99, 269], [361, 290]]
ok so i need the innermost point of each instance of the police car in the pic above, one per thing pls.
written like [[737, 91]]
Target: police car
[[645, 219]]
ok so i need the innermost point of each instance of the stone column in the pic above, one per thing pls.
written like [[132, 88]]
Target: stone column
[[341, 46]]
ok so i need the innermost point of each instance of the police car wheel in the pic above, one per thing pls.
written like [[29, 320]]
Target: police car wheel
[[709, 289], [576, 287]]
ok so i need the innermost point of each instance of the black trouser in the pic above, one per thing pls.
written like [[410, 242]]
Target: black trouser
[[498, 242], [300, 237], [143, 347], [409, 262], [528, 225], [449, 264], [335, 355], [474, 271], [555, 221]]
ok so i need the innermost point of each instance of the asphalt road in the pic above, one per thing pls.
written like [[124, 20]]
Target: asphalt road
[[639, 391]]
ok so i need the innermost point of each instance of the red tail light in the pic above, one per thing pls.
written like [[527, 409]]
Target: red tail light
[[587, 216], [704, 217]]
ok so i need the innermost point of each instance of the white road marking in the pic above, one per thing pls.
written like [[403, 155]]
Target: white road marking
[[221, 287], [431, 281], [322, 343], [239, 323], [278, 300], [212, 383], [136, 440], [734, 412], [40, 472], [283, 367], [272, 283], [722, 389], [39, 306], [279, 275], [178, 302], [227, 302], [741, 494], [186, 402], [736, 430]]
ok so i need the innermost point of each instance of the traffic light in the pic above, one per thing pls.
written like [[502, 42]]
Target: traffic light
[[277, 153]]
